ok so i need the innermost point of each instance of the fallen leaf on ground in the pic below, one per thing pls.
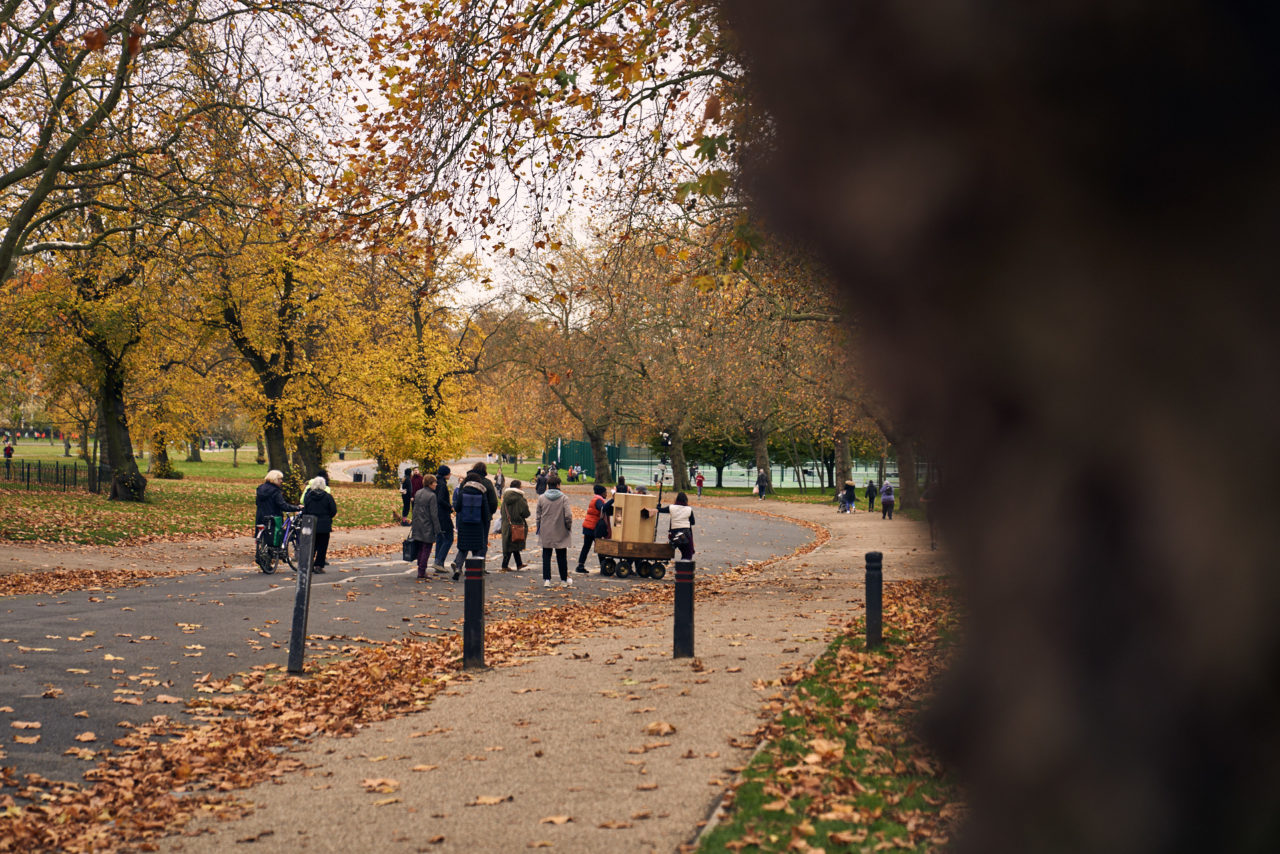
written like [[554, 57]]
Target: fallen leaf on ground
[[424, 767], [26, 725], [659, 728], [614, 825], [386, 802], [27, 739], [380, 784], [86, 736], [168, 698], [489, 800], [556, 819]]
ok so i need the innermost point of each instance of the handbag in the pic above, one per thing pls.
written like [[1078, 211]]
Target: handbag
[[409, 549], [519, 532], [679, 537]]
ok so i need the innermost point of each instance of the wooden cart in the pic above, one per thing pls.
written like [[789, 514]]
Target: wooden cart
[[631, 545]]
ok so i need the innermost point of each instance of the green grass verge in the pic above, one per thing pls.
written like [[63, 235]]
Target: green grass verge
[[841, 770], [173, 507]]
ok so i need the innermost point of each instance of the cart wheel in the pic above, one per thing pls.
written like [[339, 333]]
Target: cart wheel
[[607, 566], [642, 568], [623, 569], [659, 570]]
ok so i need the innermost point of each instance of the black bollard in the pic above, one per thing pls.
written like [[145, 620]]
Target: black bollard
[[683, 634], [875, 599], [473, 615], [302, 599]]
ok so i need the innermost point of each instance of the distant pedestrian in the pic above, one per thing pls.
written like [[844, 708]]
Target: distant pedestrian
[[8, 457], [477, 502], [426, 522], [318, 501], [444, 511], [872, 492], [515, 520], [594, 524], [622, 485], [698, 481], [849, 497], [681, 533], [540, 482], [415, 482], [762, 484], [406, 494], [500, 482], [555, 530], [886, 500]]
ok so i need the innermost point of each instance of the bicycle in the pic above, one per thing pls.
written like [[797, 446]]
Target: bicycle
[[268, 556]]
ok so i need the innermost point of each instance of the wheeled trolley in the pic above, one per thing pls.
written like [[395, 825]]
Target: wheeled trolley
[[648, 560]]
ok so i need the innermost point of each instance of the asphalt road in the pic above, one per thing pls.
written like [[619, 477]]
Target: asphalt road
[[96, 660]]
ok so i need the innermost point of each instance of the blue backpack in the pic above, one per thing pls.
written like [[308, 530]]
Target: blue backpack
[[471, 506]]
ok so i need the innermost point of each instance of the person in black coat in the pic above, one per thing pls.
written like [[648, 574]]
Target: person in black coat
[[540, 482], [444, 509], [473, 535], [872, 492], [318, 501], [270, 499]]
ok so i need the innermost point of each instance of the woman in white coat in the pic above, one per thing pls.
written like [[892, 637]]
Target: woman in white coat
[[555, 530]]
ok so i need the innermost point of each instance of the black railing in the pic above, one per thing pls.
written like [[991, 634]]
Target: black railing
[[55, 475]]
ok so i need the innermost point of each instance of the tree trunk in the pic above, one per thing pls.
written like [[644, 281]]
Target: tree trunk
[[85, 427], [127, 483], [386, 474], [310, 448], [679, 466], [843, 463], [908, 485], [262, 451], [719, 476], [600, 453], [235, 450], [193, 450], [759, 438], [66, 444], [273, 432]]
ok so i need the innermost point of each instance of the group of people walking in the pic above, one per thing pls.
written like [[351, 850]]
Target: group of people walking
[[317, 501], [470, 508]]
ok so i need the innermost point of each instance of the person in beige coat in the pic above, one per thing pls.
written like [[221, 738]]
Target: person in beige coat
[[555, 530]]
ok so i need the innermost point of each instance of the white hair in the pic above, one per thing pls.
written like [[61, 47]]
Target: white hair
[[317, 482], [274, 476]]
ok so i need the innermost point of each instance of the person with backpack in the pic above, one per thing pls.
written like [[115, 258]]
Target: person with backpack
[[886, 500], [555, 530], [514, 513], [477, 501], [594, 524], [540, 482], [444, 511], [681, 533]]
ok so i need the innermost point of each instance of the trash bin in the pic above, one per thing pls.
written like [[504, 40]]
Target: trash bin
[[357, 477], [342, 455]]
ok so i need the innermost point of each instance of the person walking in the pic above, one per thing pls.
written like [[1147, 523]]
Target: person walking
[[849, 499], [872, 491], [594, 524], [540, 482], [762, 484], [426, 522], [406, 495], [555, 530], [415, 483], [444, 511], [477, 502], [681, 533], [698, 480], [514, 515], [500, 482], [318, 501], [886, 500], [8, 457]]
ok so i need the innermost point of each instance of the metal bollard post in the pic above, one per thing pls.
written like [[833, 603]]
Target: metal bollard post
[[302, 599], [473, 614], [683, 647], [875, 599]]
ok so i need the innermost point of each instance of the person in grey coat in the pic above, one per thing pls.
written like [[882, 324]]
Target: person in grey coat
[[555, 530], [426, 522]]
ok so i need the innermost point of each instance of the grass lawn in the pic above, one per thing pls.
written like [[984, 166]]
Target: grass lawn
[[193, 505], [841, 770]]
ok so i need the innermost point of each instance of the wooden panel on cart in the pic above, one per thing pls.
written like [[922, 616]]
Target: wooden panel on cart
[[627, 524], [646, 551]]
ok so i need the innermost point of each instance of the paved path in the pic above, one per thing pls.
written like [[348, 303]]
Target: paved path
[[563, 735]]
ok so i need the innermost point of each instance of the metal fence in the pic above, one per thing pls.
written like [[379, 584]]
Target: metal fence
[[55, 475]]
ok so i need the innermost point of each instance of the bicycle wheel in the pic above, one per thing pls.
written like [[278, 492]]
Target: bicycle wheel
[[264, 559], [290, 550]]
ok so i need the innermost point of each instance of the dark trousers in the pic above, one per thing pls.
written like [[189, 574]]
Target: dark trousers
[[562, 561], [886, 509], [444, 542], [320, 551], [588, 537], [871, 503], [506, 556], [424, 558], [404, 501]]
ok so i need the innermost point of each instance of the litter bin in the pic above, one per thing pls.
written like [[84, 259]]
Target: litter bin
[[342, 455], [357, 477]]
